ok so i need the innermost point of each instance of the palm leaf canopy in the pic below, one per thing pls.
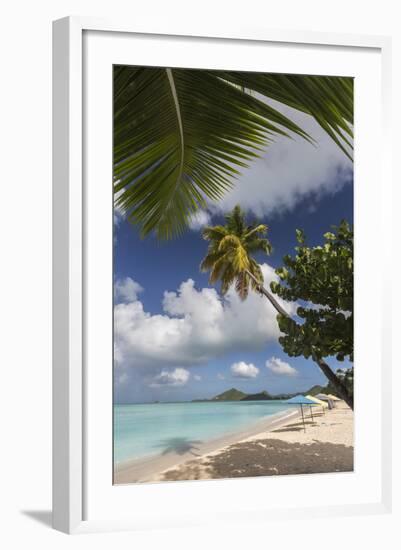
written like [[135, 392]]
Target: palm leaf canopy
[[181, 136], [229, 256]]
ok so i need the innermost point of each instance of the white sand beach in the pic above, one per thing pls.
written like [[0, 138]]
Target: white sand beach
[[275, 446]]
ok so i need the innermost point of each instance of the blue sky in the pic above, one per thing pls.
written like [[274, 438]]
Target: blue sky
[[176, 338]]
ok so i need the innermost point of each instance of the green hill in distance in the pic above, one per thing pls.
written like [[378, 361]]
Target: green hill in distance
[[261, 396], [230, 395], [237, 395], [315, 390]]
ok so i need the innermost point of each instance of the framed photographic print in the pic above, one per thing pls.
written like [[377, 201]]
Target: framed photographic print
[[210, 299]]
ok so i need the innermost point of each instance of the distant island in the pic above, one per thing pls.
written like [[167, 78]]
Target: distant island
[[237, 395]]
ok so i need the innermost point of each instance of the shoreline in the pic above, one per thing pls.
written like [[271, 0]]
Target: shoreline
[[273, 446], [327, 446], [144, 469]]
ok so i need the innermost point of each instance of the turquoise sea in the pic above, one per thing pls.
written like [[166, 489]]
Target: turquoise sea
[[158, 428]]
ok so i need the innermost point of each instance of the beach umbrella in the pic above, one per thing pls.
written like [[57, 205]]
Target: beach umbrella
[[318, 402], [325, 397], [334, 397], [322, 396], [301, 400]]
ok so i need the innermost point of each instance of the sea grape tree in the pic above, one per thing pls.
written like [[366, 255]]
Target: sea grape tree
[[321, 279]]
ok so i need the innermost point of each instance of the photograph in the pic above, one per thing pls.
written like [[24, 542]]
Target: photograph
[[233, 274]]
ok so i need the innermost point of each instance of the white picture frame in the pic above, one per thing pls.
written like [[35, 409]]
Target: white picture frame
[[71, 247]]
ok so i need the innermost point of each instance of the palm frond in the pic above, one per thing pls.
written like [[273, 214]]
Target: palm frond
[[257, 273], [235, 221], [240, 259], [229, 241], [181, 136], [229, 256], [329, 99], [214, 233], [242, 285], [220, 266], [257, 244], [209, 260], [227, 278], [253, 230]]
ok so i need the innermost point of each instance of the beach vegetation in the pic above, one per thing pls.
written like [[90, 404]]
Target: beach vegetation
[[320, 276], [347, 377], [229, 258]]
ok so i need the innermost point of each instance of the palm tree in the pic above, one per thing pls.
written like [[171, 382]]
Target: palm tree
[[182, 135], [229, 260]]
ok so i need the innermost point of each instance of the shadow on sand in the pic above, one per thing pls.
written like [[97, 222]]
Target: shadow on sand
[[295, 427], [179, 445], [270, 457]]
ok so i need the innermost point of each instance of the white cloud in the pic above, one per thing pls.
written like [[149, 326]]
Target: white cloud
[[220, 376], [176, 377], [197, 377], [244, 370], [289, 170], [126, 290], [196, 326], [199, 220], [278, 366]]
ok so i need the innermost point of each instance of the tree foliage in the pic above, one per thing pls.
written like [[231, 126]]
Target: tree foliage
[[229, 256], [321, 277], [347, 377]]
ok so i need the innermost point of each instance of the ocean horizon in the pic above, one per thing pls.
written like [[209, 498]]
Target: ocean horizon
[[151, 429]]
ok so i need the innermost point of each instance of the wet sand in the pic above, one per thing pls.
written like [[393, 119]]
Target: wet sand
[[182, 451]]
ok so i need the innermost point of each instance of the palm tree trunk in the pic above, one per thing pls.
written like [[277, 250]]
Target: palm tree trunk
[[324, 367]]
